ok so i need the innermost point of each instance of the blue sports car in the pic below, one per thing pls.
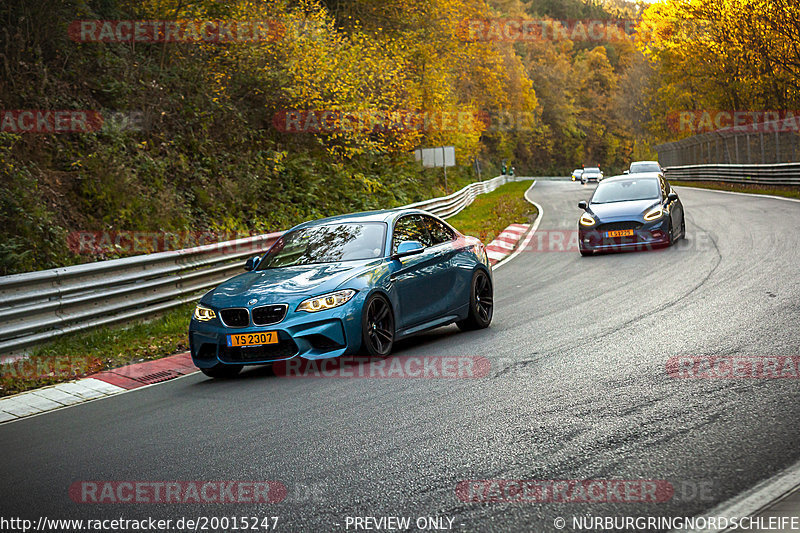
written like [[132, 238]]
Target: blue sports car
[[631, 211], [343, 285]]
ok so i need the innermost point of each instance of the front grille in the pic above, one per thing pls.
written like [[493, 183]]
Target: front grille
[[236, 317], [614, 226], [253, 354], [269, 314]]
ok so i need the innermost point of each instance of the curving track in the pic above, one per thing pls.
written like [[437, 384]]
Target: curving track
[[578, 389]]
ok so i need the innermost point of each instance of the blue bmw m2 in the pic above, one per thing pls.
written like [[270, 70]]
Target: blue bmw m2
[[343, 285]]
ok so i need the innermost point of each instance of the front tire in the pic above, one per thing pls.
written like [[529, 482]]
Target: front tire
[[481, 303], [377, 327], [220, 371]]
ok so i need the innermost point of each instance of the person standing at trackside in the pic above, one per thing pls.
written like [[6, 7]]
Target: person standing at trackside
[[505, 168]]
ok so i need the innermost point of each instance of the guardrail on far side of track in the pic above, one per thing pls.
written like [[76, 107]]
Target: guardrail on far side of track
[[771, 174]]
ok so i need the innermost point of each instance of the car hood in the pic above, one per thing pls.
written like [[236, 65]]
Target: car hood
[[277, 285], [626, 210]]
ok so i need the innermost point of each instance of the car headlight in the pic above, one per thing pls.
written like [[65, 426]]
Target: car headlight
[[587, 220], [326, 301], [204, 314], [654, 214]]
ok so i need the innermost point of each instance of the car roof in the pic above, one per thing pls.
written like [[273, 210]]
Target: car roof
[[637, 176], [384, 215], [649, 162]]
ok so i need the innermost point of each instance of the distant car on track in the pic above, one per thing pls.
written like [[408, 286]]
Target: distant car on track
[[631, 211], [576, 174], [342, 285], [591, 174], [638, 167]]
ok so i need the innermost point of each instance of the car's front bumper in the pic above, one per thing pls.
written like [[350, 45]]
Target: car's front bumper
[[320, 335], [648, 235]]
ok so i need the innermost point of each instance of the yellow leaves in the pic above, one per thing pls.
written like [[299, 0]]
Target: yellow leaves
[[723, 54], [393, 55]]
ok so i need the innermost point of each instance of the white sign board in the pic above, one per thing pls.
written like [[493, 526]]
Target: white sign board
[[442, 156]]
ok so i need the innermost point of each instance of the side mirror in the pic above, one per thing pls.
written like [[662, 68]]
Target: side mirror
[[252, 263], [404, 249], [626, 171], [671, 197], [583, 205]]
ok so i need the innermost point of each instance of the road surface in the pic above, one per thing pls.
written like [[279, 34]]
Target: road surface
[[577, 389]]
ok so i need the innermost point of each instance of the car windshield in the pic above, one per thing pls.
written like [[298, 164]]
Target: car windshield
[[645, 167], [328, 243], [592, 169], [577, 171], [626, 191]]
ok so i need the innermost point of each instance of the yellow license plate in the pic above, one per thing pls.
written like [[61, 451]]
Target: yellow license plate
[[620, 233], [253, 339]]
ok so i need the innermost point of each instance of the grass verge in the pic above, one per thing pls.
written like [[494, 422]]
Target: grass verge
[[787, 191], [491, 213], [81, 354]]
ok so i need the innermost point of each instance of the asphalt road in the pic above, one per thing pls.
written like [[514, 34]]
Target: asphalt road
[[578, 389]]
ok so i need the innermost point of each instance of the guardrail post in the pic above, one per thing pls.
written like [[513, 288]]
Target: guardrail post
[[747, 140], [777, 147]]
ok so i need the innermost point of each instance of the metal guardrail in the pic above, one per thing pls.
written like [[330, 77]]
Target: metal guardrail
[[775, 174], [764, 153], [448, 206], [39, 306]]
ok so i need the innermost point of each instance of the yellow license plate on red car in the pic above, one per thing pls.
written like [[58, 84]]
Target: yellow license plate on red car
[[253, 339], [620, 233]]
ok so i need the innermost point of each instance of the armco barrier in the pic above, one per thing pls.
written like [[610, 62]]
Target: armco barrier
[[40, 306], [773, 174]]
